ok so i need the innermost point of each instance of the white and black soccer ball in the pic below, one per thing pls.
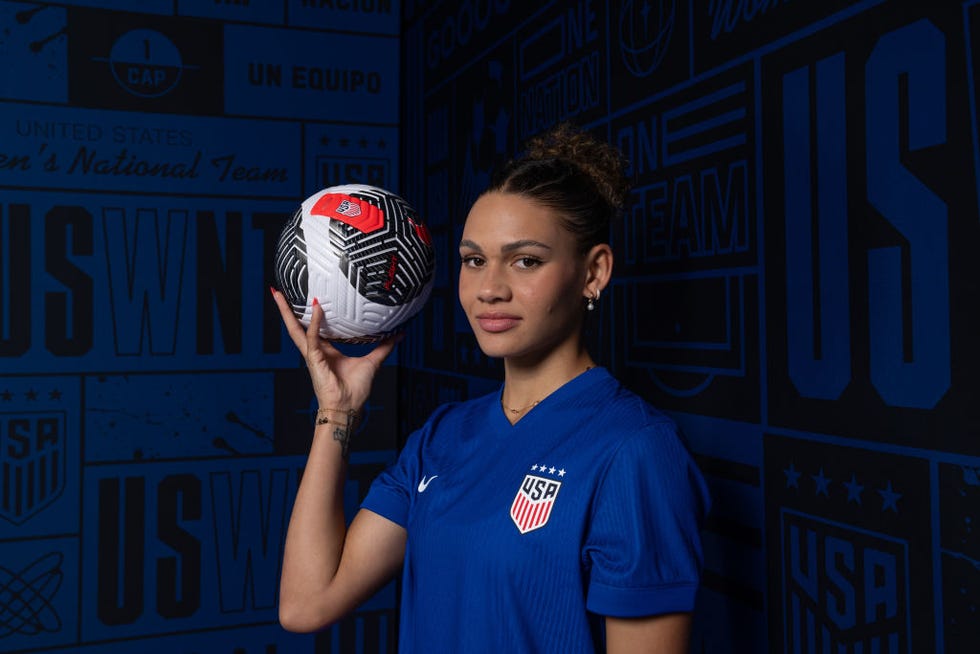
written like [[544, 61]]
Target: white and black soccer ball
[[364, 254]]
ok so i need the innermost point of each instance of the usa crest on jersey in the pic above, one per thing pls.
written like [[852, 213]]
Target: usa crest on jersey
[[534, 501]]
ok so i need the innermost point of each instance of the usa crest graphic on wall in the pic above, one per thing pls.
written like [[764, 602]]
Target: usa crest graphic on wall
[[534, 502], [32, 463]]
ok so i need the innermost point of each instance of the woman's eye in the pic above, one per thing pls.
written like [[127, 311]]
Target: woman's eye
[[472, 261], [528, 262]]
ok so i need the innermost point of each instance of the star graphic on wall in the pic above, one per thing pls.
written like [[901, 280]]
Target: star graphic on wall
[[551, 469], [31, 394], [792, 476], [54, 395], [7, 396], [853, 489], [561, 473], [822, 483], [534, 468], [889, 498]]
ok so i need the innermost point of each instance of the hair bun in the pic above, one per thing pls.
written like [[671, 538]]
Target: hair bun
[[601, 162]]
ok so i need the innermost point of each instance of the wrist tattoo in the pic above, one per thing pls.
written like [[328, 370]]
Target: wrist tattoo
[[342, 436], [343, 427]]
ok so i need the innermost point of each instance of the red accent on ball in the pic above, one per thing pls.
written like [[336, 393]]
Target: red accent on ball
[[422, 231], [362, 216]]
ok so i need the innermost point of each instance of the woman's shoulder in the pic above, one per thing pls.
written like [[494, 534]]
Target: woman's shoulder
[[631, 418], [647, 441], [455, 415], [627, 408]]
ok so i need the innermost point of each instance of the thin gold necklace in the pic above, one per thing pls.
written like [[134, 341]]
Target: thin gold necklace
[[532, 404], [516, 411]]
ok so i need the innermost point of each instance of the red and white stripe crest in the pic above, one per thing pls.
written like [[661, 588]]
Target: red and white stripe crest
[[534, 502], [349, 209]]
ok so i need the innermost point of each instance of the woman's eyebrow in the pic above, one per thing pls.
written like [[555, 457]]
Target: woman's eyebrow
[[525, 243], [509, 247]]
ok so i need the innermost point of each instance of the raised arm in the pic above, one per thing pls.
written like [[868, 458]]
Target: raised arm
[[327, 569]]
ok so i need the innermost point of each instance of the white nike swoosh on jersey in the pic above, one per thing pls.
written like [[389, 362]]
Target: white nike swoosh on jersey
[[425, 483]]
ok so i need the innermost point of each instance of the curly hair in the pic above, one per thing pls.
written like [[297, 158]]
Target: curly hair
[[574, 173]]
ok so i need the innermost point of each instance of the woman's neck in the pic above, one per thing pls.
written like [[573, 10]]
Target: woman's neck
[[527, 384]]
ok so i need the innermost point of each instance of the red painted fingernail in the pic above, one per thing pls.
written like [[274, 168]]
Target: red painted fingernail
[[272, 289], [315, 302]]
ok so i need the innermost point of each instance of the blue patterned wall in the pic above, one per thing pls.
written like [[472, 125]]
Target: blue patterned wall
[[796, 279], [154, 420]]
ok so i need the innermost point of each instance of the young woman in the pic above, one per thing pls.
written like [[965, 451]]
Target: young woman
[[559, 514]]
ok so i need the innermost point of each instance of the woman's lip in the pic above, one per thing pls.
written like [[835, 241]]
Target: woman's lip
[[496, 322]]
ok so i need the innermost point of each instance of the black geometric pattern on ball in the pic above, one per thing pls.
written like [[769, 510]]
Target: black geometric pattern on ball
[[390, 265], [291, 265]]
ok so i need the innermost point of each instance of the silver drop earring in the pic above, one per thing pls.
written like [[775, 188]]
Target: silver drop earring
[[590, 304]]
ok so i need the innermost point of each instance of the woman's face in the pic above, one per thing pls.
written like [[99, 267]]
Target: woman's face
[[521, 280]]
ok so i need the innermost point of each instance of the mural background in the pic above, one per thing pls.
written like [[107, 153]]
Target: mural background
[[153, 418], [796, 279], [796, 283]]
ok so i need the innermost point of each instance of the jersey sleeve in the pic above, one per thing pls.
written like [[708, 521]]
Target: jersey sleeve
[[643, 546], [392, 492]]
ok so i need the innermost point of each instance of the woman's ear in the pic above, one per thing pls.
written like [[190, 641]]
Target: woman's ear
[[598, 270]]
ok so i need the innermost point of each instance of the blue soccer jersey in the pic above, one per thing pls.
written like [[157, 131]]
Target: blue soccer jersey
[[521, 537]]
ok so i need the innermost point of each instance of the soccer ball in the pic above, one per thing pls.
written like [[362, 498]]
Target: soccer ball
[[365, 256]]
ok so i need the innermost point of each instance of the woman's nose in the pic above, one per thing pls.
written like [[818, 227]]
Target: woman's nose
[[493, 285]]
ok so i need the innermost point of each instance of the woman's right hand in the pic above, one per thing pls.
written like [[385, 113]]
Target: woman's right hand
[[339, 381]]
